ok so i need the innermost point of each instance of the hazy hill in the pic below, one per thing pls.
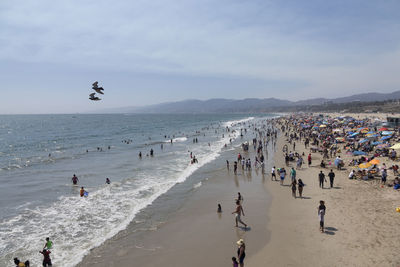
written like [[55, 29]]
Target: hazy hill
[[248, 105]]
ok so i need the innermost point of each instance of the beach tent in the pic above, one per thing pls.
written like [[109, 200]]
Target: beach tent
[[359, 153], [374, 161], [365, 165], [395, 146]]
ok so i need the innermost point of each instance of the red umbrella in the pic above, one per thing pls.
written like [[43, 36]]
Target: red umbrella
[[383, 129]]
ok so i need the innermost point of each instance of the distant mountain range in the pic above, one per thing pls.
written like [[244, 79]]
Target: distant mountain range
[[220, 105]]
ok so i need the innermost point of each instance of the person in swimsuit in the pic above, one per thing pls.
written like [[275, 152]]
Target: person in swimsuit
[[241, 252], [321, 215], [74, 179], [82, 192], [238, 212]]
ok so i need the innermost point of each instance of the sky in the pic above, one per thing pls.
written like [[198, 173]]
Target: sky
[[146, 52]]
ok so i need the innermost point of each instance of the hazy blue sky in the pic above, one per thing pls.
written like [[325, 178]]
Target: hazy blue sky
[[146, 52]]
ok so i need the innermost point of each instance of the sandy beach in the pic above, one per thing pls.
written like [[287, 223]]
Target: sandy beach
[[360, 223], [195, 234]]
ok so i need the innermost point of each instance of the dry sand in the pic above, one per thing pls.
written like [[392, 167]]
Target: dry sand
[[361, 221], [361, 224]]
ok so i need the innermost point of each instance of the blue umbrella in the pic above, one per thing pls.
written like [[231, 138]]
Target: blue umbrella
[[359, 153], [363, 141], [386, 137], [376, 143]]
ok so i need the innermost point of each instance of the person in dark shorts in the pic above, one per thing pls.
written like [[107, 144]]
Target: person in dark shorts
[[300, 187], [294, 188], [321, 178], [273, 174], [46, 257], [241, 252], [321, 215], [331, 175]]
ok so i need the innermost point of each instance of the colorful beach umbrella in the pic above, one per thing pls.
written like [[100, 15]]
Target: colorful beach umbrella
[[383, 129], [387, 133]]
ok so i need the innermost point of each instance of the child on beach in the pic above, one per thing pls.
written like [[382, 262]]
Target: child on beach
[[234, 262]]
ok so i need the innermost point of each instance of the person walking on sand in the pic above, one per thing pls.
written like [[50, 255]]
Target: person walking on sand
[[309, 159], [293, 174], [238, 212], [273, 175], [293, 185], [282, 175], [241, 252], [331, 175], [300, 187], [321, 177], [321, 215]]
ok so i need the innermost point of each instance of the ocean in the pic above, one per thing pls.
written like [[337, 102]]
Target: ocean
[[40, 153]]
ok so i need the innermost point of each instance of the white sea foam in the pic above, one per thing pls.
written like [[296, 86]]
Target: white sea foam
[[77, 224], [197, 185]]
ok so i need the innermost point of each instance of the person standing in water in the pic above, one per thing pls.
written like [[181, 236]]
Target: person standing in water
[[239, 211], [49, 244], [74, 179], [108, 181], [46, 257]]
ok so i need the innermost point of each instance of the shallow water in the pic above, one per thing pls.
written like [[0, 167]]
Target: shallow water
[[39, 154]]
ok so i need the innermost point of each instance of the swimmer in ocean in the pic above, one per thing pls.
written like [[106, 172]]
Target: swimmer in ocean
[[108, 181], [82, 192], [74, 179]]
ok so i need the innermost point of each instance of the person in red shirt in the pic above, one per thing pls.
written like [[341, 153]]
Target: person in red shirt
[[46, 257]]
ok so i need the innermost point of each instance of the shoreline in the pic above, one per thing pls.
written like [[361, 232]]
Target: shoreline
[[195, 227]]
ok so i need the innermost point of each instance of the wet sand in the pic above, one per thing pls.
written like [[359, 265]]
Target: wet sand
[[195, 235]]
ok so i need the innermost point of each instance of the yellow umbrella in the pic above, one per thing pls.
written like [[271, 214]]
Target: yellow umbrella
[[322, 126], [396, 146], [375, 162], [365, 165]]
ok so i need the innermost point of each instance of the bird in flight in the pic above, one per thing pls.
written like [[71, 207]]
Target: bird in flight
[[96, 87], [94, 98]]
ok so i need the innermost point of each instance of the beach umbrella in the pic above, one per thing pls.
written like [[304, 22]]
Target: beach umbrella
[[376, 143], [336, 130], [340, 139], [363, 141], [382, 145], [387, 133], [354, 134], [375, 162], [365, 165], [386, 137], [359, 153], [322, 126], [395, 146], [383, 129]]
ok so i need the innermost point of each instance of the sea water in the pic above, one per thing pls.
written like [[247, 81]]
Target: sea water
[[40, 153]]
